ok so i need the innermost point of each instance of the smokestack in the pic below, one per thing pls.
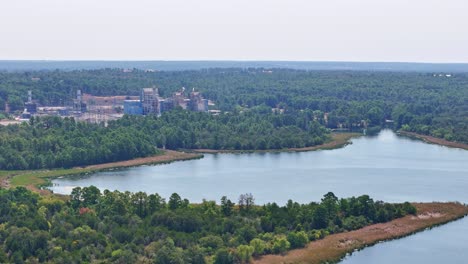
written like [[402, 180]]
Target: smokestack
[[29, 96]]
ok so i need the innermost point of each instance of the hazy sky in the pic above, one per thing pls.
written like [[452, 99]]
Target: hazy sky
[[325, 30]]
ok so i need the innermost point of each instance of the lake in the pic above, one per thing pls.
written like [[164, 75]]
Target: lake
[[387, 167]]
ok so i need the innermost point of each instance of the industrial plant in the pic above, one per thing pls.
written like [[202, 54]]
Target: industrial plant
[[98, 109], [150, 103]]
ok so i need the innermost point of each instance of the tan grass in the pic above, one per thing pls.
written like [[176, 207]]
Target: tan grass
[[334, 247]]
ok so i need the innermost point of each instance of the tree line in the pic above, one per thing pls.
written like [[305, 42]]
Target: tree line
[[125, 227], [427, 103], [53, 142]]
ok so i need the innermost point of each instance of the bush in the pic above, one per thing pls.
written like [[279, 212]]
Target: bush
[[244, 253], [280, 245], [354, 222], [298, 239], [258, 245]]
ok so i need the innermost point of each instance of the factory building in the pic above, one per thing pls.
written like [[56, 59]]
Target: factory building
[[197, 103], [133, 107], [179, 99], [150, 101], [166, 105], [30, 106], [78, 105]]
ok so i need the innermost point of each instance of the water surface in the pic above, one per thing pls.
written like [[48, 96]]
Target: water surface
[[387, 167]]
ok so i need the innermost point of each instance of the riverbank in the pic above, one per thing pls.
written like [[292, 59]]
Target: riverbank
[[334, 247], [338, 140], [434, 140], [37, 178]]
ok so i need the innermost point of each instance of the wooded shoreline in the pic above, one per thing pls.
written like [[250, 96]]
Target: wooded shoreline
[[338, 140], [434, 140], [334, 248], [39, 178]]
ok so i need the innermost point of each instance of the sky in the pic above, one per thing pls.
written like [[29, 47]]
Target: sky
[[294, 30]]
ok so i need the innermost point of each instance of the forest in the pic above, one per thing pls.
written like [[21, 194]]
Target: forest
[[125, 227], [424, 102], [53, 142]]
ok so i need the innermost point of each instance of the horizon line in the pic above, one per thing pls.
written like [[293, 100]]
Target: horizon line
[[221, 60]]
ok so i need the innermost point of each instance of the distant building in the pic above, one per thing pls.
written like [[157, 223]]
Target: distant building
[[133, 107], [63, 112], [31, 107], [197, 103], [78, 105], [26, 115], [179, 99], [166, 105], [150, 101]]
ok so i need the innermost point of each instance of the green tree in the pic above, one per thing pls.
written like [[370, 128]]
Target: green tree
[[258, 245], [280, 245], [175, 201], [226, 206], [244, 253], [223, 257]]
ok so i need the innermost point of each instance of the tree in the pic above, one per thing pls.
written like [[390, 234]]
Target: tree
[[320, 217], [244, 253], [90, 195], [155, 202], [2, 104], [280, 245], [139, 201], [175, 201], [169, 254], [223, 257], [15, 103], [76, 197], [246, 201], [258, 246], [330, 202], [226, 206], [298, 239]]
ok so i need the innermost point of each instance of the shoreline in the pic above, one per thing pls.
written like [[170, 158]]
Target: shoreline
[[333, 248], [34, 179], [434, 140], [338, 140]]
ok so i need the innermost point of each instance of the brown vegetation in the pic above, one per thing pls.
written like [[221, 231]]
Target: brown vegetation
[[168, 156], [33, 179], [334, 247], [434, 140]]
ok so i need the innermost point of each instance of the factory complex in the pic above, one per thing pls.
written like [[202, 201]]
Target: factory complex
[[150, 103], [98, 109]]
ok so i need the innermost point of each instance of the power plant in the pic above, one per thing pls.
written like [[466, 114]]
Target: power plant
[[99, 109], [150, 103]]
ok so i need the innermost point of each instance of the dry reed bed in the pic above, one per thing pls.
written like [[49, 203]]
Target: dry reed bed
[[334, 247]]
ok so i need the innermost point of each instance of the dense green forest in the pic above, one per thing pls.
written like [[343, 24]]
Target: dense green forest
[[427, 103], [124, 227], [51, 142]]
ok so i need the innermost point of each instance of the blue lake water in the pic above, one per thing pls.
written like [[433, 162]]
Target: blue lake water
[[387, 167]]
